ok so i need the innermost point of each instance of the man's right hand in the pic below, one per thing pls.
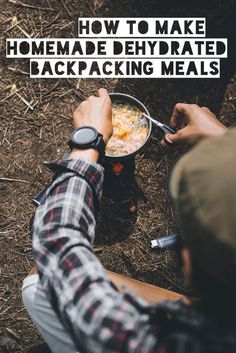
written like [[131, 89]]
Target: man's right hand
[[193, 124], [95, 112]]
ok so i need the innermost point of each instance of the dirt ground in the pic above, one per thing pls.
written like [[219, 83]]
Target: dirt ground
[[27, 138]]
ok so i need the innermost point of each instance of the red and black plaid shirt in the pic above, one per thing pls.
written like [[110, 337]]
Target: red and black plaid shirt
[[97, 316]]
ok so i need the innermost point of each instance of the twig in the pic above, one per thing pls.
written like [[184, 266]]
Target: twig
[[70, 84], [78, 83], [15, 22], [97, 249], [33, 106], [18, 253], [49, 5], [9, 96], [19, 3], [13, 25], [15, 91], [13, 334], [66, 25], [51, 90], [5, 88], [67, 92], [25, 101], [13, 180], [67, 10], [91, 8], [23, 31], [18, 71], [54, 135]]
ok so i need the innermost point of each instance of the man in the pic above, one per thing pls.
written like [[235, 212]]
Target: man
[[79, 307]]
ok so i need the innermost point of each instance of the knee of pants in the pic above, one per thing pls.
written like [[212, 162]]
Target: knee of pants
[[44, 317], [28, 291]]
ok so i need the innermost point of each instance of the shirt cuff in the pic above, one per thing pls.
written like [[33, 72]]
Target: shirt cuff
[[92, 172]]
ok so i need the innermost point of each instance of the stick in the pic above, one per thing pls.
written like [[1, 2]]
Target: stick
[[18, 71], [67, 10], [25, 101], [14, 24], [17, 180], [5, 89], [10, 95], [29, 107], [62, 95], [97, 249], [14, 90], [19, 3], [49, 5], [23, 31]]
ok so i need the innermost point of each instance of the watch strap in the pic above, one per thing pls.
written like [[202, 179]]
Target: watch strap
[[101, 146]]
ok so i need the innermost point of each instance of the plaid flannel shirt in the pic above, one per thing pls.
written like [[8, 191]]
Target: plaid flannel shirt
[[98, 317]]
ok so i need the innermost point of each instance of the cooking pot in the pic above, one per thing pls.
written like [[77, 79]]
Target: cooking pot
[[125, 98]]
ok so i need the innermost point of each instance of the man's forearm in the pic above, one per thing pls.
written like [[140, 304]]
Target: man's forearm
[[70, 203]]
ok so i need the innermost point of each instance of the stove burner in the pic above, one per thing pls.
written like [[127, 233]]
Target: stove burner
[[119, 183]]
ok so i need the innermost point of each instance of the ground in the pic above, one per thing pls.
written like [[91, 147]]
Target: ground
[[27, 138]]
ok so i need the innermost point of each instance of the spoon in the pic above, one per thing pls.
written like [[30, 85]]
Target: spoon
[[164, 127]]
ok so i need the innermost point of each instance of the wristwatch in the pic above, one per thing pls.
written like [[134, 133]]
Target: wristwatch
[[87, 137]]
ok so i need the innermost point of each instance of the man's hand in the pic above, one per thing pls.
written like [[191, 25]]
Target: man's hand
[[193, 124], [95, 112]]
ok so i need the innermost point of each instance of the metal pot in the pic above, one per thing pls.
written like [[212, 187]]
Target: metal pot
[[125, 98]]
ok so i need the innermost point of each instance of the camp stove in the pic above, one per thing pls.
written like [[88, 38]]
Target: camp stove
[[119, 184], [119, 181]]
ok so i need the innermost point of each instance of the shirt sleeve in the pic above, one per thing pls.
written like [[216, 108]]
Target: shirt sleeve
[[97, 316]]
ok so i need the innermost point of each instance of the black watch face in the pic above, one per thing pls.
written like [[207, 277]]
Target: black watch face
[[85, 135]]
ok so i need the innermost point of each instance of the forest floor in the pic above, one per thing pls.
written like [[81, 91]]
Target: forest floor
[[28, 137]]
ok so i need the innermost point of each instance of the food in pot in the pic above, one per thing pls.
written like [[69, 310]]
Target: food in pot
[[130, 130]]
